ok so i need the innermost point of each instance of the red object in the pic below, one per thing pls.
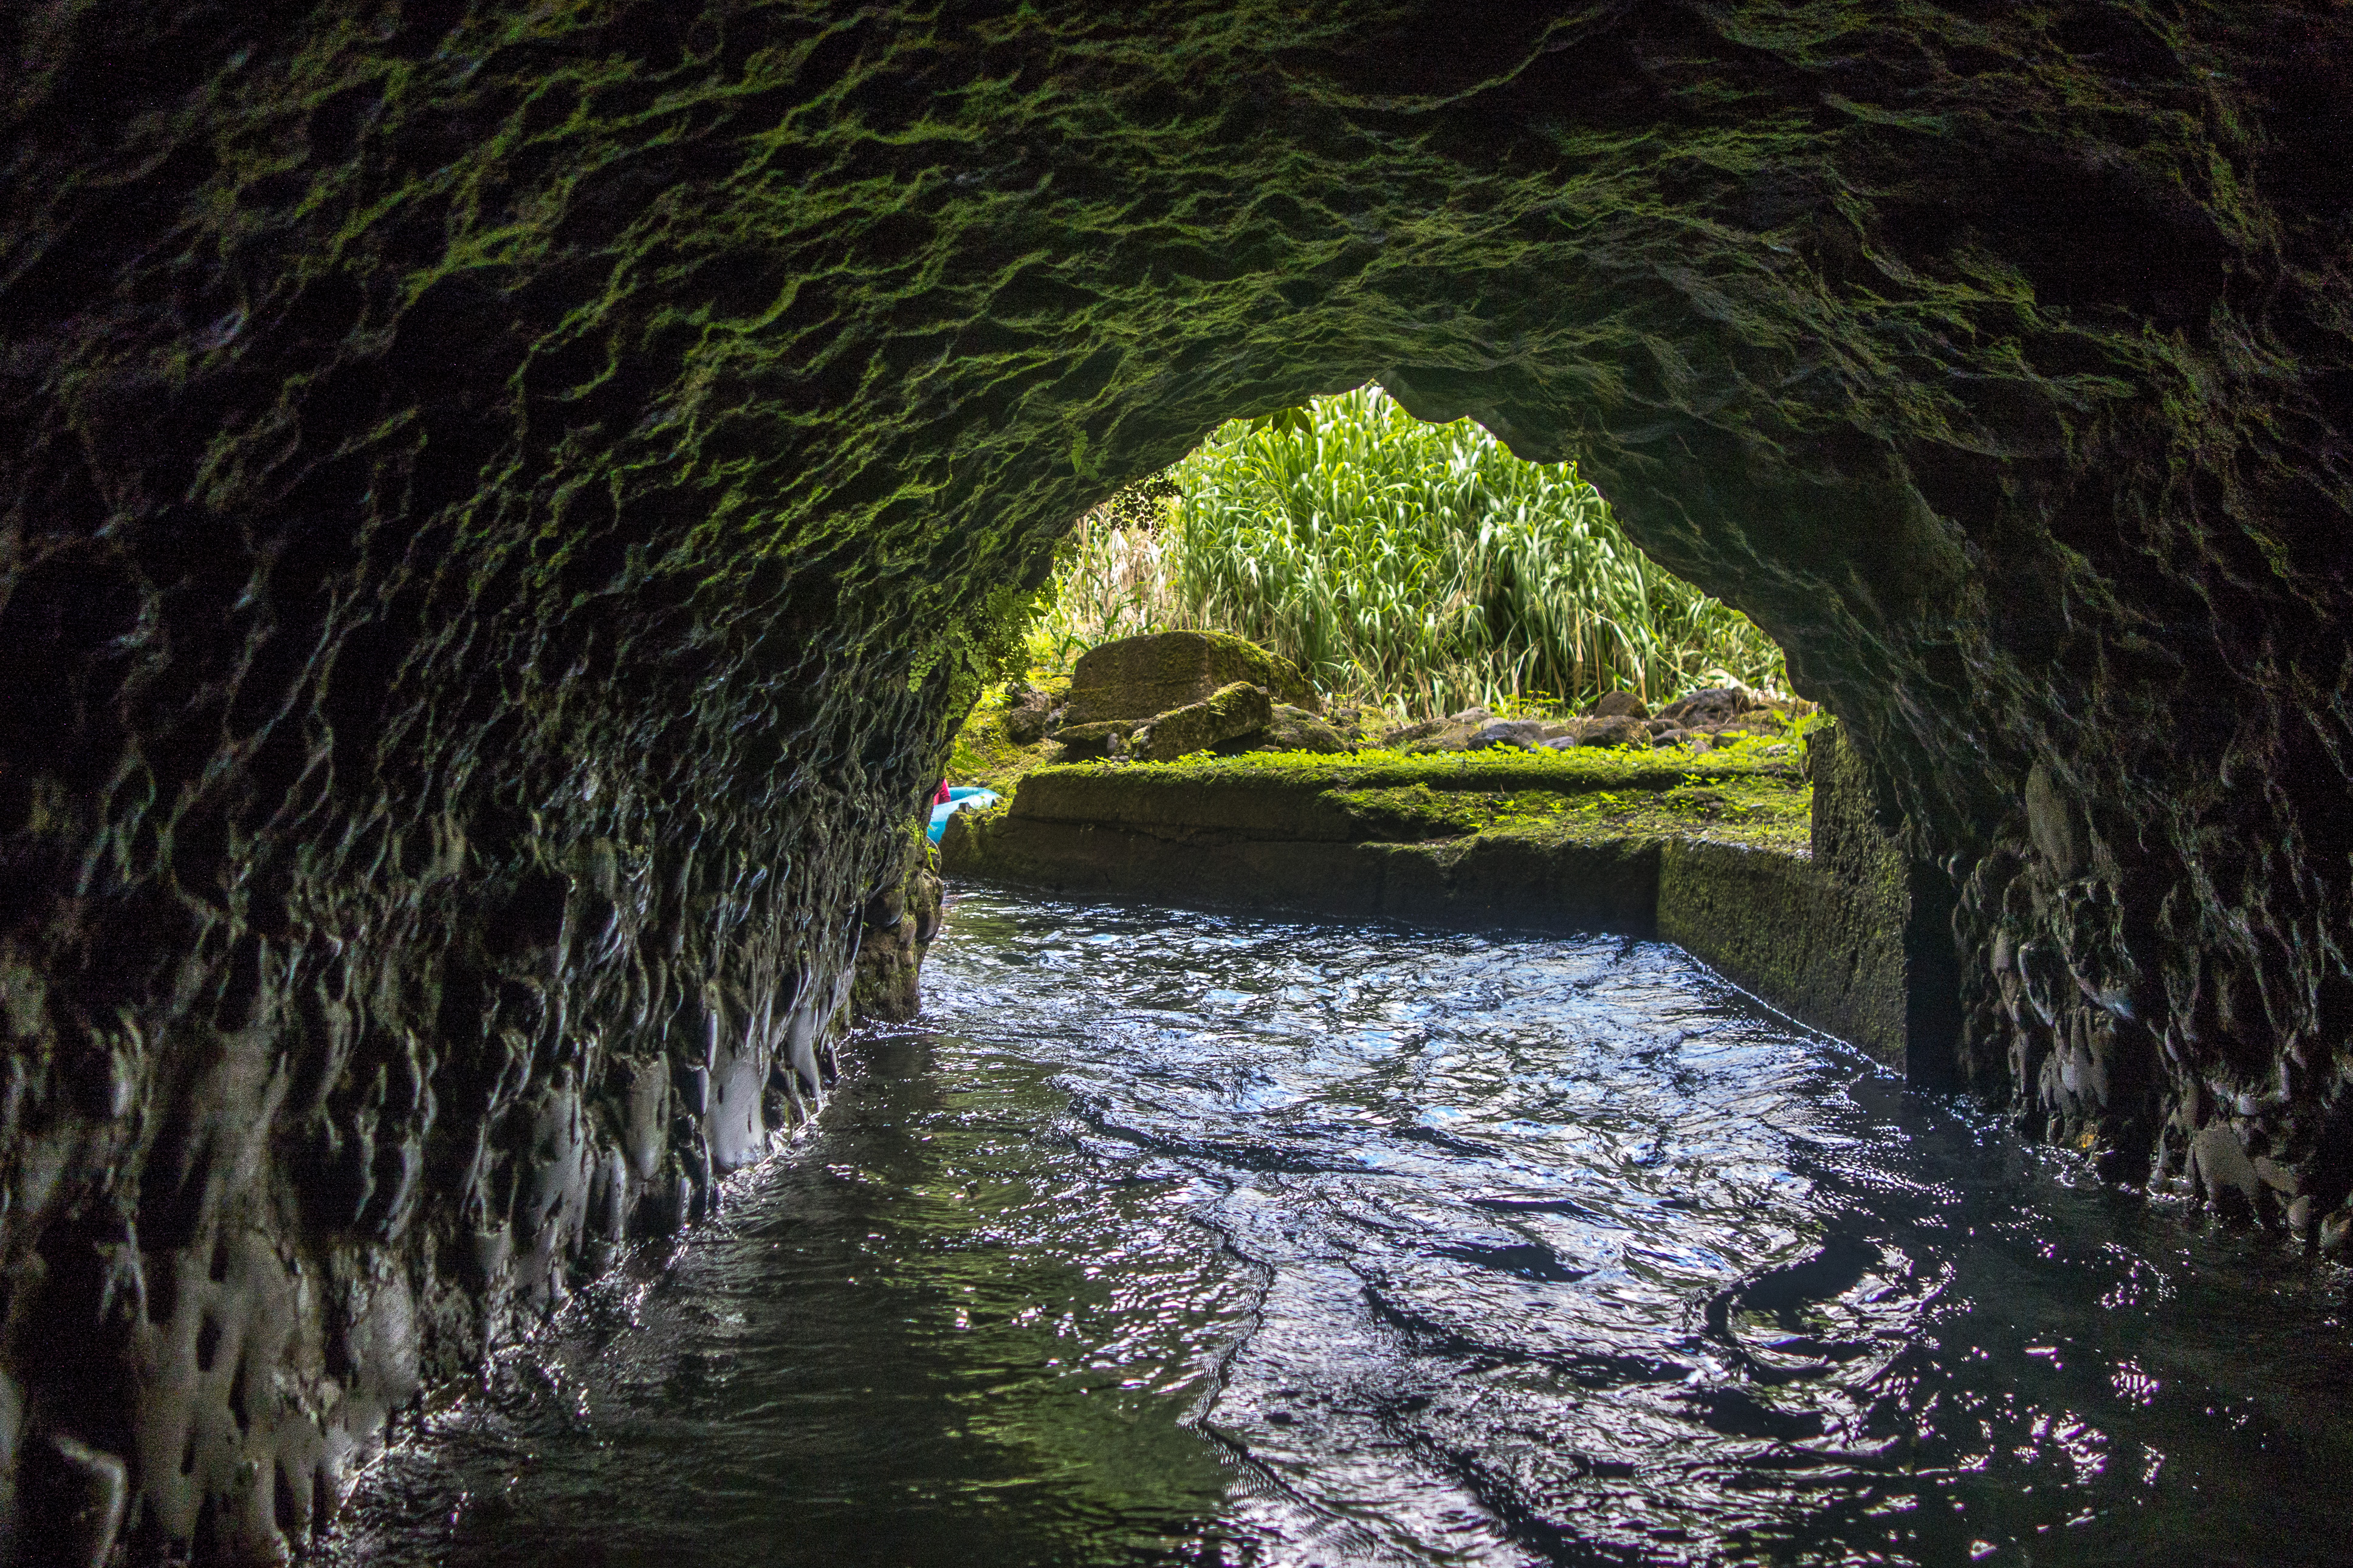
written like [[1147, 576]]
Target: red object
[[942, 798]]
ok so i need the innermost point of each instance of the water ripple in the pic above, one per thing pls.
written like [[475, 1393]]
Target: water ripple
[[1180, 1240]]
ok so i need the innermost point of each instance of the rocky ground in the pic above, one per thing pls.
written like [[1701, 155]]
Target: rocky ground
[[1220, 695]]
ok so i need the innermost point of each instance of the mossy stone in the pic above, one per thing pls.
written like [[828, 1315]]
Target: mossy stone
[[1138, 677], [1235, 709], [1293, 729]]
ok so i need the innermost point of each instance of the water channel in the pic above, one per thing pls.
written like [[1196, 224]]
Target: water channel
[[1173, 1238]]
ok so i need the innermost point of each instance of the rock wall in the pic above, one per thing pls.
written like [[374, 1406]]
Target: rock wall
[[499, 503]]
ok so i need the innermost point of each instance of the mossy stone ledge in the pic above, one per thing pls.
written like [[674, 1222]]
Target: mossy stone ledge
[[1714, 851], [1138, 677]]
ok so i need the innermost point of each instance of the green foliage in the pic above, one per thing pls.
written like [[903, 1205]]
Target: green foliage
[[1505, 768], [988, 646], [1296, 421], [1412, 565], [1750, 791]]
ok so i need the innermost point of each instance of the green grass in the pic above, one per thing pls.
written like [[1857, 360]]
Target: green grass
[[1577, 770], [984, 754], [1757, 809], [1751, 791], [1417, 567]]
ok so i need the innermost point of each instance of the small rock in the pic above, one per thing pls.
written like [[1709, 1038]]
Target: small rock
[[1471, 716], [1621, 705], [1293, 729], [1082, 743], [1617, 731], [2301, 1215], [1524, 732], [1672, 737], [2223, 1168], [1756, 722], [2335, 1230], [1026, 725], [1710, 706], [2278, 1177], [1231, 710], [1030, 712]]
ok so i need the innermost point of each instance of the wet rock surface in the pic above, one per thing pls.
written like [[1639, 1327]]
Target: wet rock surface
[[501, 509]]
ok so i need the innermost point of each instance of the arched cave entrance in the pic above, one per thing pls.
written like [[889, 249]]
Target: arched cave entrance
[[501, 505]]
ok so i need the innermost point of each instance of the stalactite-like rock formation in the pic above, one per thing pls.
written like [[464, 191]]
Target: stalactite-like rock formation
[[499, 503]]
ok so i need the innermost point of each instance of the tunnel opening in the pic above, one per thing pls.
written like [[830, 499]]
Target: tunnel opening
[[1411, 569]]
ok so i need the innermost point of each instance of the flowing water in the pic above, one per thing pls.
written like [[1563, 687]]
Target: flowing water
[[1171, 1239]]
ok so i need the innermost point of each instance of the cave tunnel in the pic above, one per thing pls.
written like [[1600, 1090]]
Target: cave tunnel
[[506, 504]]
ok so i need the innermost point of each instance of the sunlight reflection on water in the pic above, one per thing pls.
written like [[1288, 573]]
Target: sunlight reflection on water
[[1179, 1238]]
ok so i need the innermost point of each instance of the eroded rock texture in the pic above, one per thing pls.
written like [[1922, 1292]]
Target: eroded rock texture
[[502, 502]]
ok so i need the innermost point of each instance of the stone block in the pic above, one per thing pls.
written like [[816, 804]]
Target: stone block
[[1230, 711], [1138, 677], [1293, 729]]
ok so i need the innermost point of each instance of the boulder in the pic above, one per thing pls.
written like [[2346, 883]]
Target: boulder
[[1709, 706], [1293, 729], [1620, 705], [1406, 735], [1233, 709], [1621, 731], [1028, 714], [1138, 677], [1525, 732], [1088, 742], [2219, 1164]]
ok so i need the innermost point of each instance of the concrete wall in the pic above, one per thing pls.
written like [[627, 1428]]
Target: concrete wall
[[1844, 937]]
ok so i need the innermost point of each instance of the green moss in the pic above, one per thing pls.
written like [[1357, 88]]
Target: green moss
[[1138, 677], [1577, 770], [1749, 793], [1760, 811], [984, 754]]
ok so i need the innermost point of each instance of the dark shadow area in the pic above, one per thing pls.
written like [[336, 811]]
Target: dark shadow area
[[501, 509]]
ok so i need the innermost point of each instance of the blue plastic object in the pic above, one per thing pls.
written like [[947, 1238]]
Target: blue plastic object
[[959, 797]]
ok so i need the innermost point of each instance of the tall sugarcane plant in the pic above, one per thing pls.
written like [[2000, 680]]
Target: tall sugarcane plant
[[1419, 566]]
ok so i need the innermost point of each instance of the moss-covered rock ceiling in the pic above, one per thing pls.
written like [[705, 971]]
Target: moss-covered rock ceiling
[[505, 502]]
